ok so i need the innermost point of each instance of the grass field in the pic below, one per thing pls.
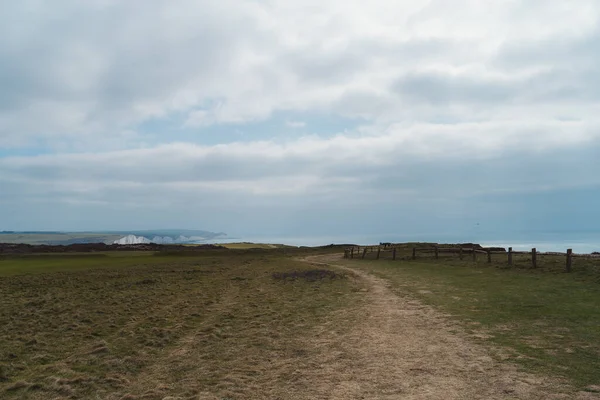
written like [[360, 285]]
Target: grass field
[[543, 319], [44, 263], [141, 325], [259, 323]]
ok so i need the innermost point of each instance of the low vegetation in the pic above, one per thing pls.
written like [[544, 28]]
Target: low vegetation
[[250, 322], [311, 275], [215, 325]]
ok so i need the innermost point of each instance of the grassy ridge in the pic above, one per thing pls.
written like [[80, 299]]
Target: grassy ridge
[[549, 321]]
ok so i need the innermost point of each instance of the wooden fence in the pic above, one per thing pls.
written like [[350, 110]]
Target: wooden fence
[[360, 252]]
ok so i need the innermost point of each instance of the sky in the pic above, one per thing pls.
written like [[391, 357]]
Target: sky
[[285, 117]]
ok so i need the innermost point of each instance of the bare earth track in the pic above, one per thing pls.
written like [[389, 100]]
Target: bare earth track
[[403, 349]]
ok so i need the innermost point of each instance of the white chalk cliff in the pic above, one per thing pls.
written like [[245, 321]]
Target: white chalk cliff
[[133, 239]]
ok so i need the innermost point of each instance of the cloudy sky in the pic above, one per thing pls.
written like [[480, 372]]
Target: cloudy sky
[[313, 117]]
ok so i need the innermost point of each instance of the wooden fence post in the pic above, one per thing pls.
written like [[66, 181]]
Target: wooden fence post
[[394, 254], [414, 255], [569, 259], [346, 253], [364, 253], [460, 253], [352, 252], [534, 257], [489, 254], [378, 252], [510, 256], [437, 252], [474, 255]]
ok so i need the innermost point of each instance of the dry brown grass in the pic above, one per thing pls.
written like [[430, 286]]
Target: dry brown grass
[[255, 325], [201, 327]]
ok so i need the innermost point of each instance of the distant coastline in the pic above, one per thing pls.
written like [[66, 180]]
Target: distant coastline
[[158, 236], [580, 242]]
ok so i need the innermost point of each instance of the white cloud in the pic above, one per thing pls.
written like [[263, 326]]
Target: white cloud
[[88, 71]]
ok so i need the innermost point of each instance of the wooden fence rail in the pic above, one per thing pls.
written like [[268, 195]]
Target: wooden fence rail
[[350, 253]]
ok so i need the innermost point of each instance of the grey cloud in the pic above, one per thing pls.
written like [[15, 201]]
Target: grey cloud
[[582, 51], [270, 173], [343, 62], [548, 87], [448, 89], [568, 67], [404, 191]]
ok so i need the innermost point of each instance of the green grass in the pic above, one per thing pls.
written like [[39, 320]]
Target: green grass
[[16, 264], [548, 320], [42, 263]]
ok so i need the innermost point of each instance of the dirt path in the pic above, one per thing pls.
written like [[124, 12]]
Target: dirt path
[[403, 349]]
